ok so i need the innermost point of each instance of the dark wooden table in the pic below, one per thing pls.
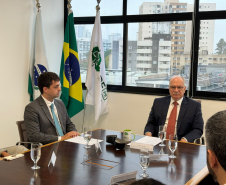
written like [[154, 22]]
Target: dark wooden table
[[69, 169]]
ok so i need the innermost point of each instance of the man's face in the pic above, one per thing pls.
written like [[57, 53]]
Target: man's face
[[177, 88], [210, 169], [54, 90]]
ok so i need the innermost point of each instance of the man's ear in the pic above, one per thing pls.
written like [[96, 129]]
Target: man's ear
[[45, 89], [212, 158]]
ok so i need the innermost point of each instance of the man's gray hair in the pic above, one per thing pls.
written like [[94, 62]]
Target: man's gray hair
[[179, 77], [216, 136]]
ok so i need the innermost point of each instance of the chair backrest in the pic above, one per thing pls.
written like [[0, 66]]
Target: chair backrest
[[22, 133]]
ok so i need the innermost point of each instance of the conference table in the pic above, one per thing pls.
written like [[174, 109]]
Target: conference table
[[71, 166]]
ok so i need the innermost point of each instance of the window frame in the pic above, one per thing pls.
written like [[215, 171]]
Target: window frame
[[196, 17]]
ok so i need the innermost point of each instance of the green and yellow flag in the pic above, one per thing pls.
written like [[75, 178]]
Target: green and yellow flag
[[71, 84]]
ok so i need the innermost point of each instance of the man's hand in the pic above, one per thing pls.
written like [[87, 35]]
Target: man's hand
[[183, 140], [148, 134], [69, 135]]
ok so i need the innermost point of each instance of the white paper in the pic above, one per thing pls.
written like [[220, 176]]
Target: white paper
[[149, 140], [10, 158], [81, 140], [140, 146]]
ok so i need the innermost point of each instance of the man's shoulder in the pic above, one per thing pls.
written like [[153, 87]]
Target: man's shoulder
[[35, 104], [191, 101], [161, 99]]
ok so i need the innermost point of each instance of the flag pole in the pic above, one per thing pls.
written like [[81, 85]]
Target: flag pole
[[38, 5], [69, 7]]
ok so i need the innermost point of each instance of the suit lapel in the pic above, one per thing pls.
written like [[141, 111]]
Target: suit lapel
[[59, 114], [165, 107], [45, 110], [183, 108]]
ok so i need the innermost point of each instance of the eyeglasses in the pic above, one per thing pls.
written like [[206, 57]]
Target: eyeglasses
[[179, 87]]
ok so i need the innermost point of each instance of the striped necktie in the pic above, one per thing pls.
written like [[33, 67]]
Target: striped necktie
[[57, 124]]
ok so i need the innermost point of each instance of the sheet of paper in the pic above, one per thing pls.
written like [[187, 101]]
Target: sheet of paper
[[81, 140], [140, 146], [149, 140], [10, 158]]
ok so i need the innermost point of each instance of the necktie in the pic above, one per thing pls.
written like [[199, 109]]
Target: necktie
[[57, 124], [172, 121]]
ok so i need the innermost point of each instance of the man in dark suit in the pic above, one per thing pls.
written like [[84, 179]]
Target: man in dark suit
[[179, 115], [46, 119]]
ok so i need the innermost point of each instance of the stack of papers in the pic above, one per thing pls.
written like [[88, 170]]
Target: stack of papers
[[145, 142], [148, 140], [81, 140], [10, 158]]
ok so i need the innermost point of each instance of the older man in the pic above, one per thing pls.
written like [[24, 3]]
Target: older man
[[216, 146], [179, 115]]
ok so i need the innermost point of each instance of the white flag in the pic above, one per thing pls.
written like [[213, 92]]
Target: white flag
[[95, 79], [39, 63]]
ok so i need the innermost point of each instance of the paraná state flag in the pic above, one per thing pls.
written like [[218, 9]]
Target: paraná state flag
[[39, 62]]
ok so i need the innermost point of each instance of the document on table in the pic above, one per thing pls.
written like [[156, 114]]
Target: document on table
[[81, 140], [149, 140]]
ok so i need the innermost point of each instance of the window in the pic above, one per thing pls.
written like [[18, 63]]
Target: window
[[158, 49]]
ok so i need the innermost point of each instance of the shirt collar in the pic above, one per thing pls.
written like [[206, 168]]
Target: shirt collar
[[48, 103], [179, 101]]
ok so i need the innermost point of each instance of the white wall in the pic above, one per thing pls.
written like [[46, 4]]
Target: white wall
[[16, 31], [17, 24]]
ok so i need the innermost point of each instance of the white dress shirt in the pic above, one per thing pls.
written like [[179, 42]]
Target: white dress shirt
[[48, 103]]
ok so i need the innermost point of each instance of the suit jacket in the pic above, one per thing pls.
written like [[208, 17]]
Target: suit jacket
[[189, 122], [40, 125]]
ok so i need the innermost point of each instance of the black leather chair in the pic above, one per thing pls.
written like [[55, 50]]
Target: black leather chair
[[23, 133]]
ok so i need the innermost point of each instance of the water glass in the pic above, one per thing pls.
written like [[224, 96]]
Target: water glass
[[87, 136], [35, 154], [162, 134], [144, 161], [172, 144]]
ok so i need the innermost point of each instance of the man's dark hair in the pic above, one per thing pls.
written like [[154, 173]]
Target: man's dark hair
[[216, 136], [46, 79], [147, 182]]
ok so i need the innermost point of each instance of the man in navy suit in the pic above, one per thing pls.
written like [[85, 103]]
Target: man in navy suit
[[188, 119]]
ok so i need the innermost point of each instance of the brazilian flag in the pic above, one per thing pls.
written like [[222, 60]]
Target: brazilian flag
[[71, 84]]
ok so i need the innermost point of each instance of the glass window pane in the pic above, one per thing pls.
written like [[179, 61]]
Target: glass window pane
[[212, 56], [87, 8], [112, 36], [159, 6], [157, 51], [212, 5]]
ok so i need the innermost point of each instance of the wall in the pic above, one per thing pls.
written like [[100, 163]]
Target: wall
[[17, 24]]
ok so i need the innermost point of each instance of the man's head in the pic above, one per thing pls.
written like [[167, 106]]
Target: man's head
[[215, 132], [177, 87], [49, 85]]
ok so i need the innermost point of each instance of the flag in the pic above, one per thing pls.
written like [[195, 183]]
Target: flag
[[71, 84], [39, 62], [95, 79]]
